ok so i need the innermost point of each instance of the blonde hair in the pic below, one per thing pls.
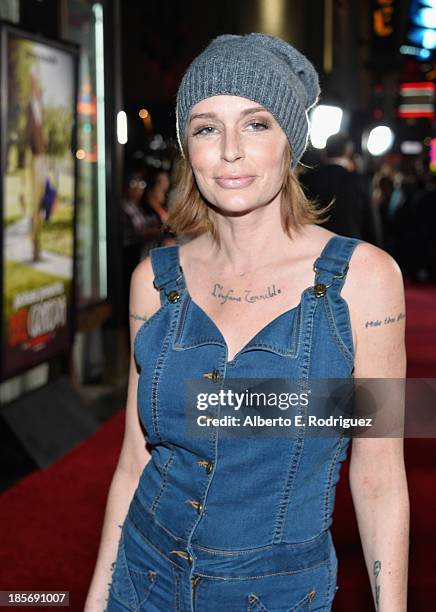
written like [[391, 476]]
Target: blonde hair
[[191, 215]]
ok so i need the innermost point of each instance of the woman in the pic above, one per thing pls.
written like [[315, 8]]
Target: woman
[[134, 228], [229, 523], [153, 206]]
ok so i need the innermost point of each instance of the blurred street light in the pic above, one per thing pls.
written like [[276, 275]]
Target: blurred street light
[[122, 127], [325, 121], [380, 140]]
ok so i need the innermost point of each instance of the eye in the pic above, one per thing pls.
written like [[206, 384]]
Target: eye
[[201, 131], [260, 125]]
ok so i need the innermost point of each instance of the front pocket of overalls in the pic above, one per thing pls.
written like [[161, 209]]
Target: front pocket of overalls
[[122, 585], [304, 605], [130, 586], [143, 584]]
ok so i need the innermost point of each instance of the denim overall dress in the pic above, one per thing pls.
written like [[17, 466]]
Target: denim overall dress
[[221, 524]]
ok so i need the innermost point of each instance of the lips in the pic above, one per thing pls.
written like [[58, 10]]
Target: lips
[[234, 182]]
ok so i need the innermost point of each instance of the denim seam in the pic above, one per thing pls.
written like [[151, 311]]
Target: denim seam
[[295, 331], [298, 446], [329, 586], [213, 446], [176, 578], [299, 324], [328, 488], [258, 605], [182, 318], [177, 345], [247, 551], [259, 577], [150, 588], [125, 568], [146, 323], [159, 368], [110, 584], [306, 358], [177, 539], [124, 603], [162, 483], [234, 553], [149, 543], [338, 338]]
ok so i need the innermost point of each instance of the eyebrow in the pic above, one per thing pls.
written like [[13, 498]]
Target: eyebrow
[[246, 111]]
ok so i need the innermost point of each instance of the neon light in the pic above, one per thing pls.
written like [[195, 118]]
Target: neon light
[[101, 144], [425, 17], [433, 155], [418, 85]]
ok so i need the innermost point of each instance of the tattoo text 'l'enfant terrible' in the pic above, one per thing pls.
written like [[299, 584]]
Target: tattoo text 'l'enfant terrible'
[[249, 296]]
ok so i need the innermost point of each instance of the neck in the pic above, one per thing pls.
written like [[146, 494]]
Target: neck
[[250, 242]]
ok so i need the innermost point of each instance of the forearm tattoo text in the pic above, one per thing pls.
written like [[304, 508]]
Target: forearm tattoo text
[[137, 316]]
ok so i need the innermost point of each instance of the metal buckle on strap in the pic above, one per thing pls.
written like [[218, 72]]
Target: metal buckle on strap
[[176, 280], [315, 269], [173, 295]]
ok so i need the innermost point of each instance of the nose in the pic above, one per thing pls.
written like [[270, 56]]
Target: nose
[[232, 147]]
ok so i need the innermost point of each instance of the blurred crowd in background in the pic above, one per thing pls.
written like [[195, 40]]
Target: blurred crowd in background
[[390, 208]]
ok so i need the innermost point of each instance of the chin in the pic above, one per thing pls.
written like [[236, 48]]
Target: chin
[[233, 206]]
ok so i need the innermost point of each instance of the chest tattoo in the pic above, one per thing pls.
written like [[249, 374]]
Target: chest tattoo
[[247, 295]]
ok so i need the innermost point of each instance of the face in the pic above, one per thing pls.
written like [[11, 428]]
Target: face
[[236, 149], [135, 188]]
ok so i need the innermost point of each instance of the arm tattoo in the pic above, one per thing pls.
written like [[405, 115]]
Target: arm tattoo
[[387, 320], [136, 316], [376, 570]]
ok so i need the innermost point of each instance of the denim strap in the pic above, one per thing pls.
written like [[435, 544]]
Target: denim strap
[[331, 266], [168, 276]]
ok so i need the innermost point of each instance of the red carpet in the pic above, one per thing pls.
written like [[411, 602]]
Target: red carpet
[[421, 330], [51, 520]]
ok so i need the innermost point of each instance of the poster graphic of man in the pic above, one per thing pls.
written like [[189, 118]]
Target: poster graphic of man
[[35, 140]]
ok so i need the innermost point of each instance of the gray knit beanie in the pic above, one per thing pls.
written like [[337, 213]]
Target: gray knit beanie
[[260, 67]]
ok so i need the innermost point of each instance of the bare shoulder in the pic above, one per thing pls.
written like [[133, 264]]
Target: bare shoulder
[[144, 299], [374, 290], [374, 279]]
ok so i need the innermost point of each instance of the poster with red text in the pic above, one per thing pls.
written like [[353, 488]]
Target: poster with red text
[[38, 81]]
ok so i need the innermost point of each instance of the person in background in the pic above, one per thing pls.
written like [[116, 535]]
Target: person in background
[[153, 205], [134, 225], [352, 213], [383, 186], [413, 222]]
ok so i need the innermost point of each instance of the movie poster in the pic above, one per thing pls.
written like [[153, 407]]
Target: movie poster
[[38, 199]]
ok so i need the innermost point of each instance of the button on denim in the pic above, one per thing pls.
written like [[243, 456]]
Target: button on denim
[[227, 523]]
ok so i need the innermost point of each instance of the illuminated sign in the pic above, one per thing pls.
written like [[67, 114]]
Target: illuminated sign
[[386, 35], [423, 24], [382, 16], [416, 100], [433, 155]]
